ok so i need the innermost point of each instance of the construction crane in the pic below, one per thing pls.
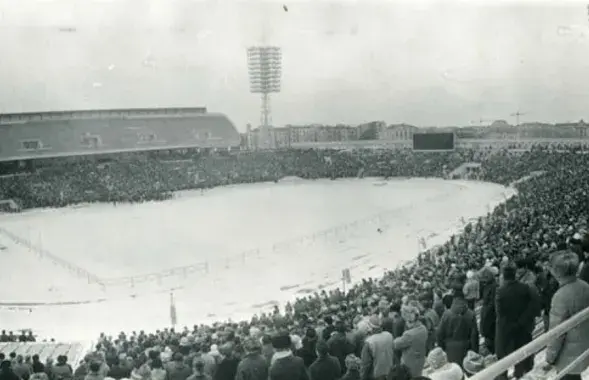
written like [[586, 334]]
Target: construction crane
[[517, 115]]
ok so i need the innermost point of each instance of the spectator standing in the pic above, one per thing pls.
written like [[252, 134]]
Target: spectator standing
[[157, 370], [571, 298], [516, 309], [62, 370], [458, 332], [94, 372], [177, 369], [339, 344], [227, 367], [377, 353], [253, 366], [413, 341], [471, 289], [199, 371], [353, 367], [6, 372], [325, 367], [488, 317], [21, 369], [286, 366], [308, 352]]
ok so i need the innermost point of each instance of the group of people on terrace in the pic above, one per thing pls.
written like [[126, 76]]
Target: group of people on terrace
[[458, 308]]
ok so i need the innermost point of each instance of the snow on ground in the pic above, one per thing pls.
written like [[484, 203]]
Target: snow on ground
[[303, 233]]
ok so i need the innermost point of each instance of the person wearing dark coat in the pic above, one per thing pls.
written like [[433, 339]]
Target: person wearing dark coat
[[488, 317], [326, 367], [547, 286], [286, 366], [458, 332], [227, 368], [516, 308], [398, 329], [6, 372], [329, 328], [308, 351], [252, 366], [177, 369], [339, 346]]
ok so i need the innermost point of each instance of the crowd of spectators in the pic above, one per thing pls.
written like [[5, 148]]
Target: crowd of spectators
[[523, 262]]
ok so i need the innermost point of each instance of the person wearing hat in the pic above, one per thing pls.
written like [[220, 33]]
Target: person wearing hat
[[377, 353], [473, 363], [440, 368], [284, 365], [252, 366]]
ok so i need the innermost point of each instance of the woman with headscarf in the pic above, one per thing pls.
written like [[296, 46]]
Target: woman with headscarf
[[413, 341], [439, 368]]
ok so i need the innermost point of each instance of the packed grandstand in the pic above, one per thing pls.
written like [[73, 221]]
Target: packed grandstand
[[437, 317]]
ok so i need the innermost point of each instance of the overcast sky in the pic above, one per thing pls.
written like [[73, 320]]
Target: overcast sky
[[419, 62]]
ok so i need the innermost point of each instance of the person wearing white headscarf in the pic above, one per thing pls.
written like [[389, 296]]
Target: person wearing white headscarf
[[440, 369]]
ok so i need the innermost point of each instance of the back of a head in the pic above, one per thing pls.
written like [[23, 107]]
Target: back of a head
[[509, 272], [564, 264], [156, 363], [94, 366], [322, 349], [5, 365], [198, 364]]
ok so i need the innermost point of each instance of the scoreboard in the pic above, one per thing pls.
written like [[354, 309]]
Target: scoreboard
[[427, 142]]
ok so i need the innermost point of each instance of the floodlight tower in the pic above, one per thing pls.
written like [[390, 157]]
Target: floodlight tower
[[265, 70]]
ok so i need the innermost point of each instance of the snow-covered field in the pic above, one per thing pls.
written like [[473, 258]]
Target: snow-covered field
[[298, 236]]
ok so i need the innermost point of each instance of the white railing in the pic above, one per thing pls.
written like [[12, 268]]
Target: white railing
[[535, 346]]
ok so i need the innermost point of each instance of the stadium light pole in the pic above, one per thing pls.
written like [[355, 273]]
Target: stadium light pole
[[265, 71]]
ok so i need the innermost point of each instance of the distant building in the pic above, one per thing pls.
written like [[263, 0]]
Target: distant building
[[398, 132]]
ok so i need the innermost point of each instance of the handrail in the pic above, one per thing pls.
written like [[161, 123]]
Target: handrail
[[531, 348], [572, 364]]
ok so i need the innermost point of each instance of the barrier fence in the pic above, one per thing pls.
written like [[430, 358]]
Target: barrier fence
[[45, 254], [241, 258]]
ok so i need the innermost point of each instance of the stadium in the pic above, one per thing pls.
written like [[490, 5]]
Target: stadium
[[128, 220]]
